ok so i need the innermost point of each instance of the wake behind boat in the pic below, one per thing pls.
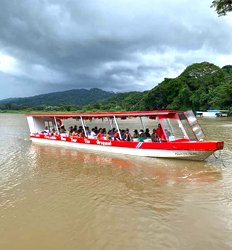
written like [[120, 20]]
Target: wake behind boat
[[180, 135]]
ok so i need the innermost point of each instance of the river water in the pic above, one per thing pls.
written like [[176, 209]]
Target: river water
[[62, 198]]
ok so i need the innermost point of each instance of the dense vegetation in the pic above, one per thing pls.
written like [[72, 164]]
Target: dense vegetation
[[70, 97], [201, 86]]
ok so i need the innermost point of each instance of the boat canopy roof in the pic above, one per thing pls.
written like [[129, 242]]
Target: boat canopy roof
[[122, 115]]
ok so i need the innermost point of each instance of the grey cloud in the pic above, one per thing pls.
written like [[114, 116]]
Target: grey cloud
[[112, 45]]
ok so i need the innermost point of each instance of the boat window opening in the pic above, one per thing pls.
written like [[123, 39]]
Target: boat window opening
[[172, 129], [49, 124]]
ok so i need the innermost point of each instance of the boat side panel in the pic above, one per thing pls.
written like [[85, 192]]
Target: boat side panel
[[158, 153]]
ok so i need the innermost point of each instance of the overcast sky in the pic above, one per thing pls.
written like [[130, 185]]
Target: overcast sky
[[116, 45]]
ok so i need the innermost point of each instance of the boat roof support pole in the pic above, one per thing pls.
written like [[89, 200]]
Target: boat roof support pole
[[110, 122], [142, 124], [83, 125], [116, 123], [56, 126]]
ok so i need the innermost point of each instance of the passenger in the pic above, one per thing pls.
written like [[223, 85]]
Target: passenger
[[70, 131], [136, 134], [147, 134], [127, 129], [159, 131], [45, 130], [104, 131], [112, 132], [80, 129], [116, 136], [75, 134], [108, 135], [168, 133], [126, 136], [54, 132], [141, 137], [93, 134], [62, 129], [82, 134], [100, 135], [87, 130], [154, 136]]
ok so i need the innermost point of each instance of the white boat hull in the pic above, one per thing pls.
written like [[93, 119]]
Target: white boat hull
[[198, 155]]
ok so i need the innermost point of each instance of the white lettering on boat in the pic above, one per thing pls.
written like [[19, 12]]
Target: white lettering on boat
[[104, 143], [73, 140], [63, 139], [87, 141]]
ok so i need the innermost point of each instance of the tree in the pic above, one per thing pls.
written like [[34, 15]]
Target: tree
[[222, 6]]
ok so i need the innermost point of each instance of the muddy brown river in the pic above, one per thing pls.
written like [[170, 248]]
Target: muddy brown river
[[60, 198]]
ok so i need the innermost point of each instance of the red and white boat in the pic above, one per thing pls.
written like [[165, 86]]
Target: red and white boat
[[183, 134]]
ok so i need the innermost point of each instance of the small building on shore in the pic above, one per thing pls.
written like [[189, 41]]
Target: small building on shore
[[212, 113]]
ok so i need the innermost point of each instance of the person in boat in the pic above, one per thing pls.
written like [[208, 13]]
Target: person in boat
[[54, 132], [112, 132], [159, 131], [126, 136], [116, 136], [62, 129], [162, 138], [136, 134], [45, 130], [100, 135], [79, 129], [154, 136], [88, 132], [142, 136], [82, 134], [70, 130], [75, 134], [108, 135], [93, 134], [147, 134], [127, 129]]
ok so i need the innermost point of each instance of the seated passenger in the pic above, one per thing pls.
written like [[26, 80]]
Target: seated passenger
[[108, 135], [100, 135], [87, 130], [116, 136], [45, 130], [113, 131], [70, 131], [62, 129], [141, 137], [93, 134], [147, 134], [75, 132], [126, 136], [127, 129], [82, 134], [136, 134], [54, 132], [154, 136]]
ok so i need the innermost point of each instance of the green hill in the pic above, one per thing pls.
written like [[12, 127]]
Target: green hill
[[69, 97], [201, 86]]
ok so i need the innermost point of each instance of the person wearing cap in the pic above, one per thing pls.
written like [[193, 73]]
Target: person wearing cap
[[141, 137]]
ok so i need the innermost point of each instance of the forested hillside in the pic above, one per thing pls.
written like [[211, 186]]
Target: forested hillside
[[201, 86], [71, 97]]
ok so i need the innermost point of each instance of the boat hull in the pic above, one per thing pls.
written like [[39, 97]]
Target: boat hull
[[198, 155]]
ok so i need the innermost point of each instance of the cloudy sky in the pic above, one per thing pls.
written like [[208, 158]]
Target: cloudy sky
[[116, 45]]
